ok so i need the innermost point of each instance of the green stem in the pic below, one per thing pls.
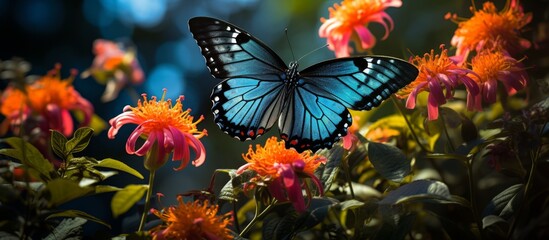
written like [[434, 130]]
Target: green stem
[[472, 196], [257, 217], [414, 135], [445, 130], [347, 170], [235, 214], [147, 201]]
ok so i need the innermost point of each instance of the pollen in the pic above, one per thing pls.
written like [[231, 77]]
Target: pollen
[[193, 220], [265, 159], [489, 65], [352, 13], [157, 115]]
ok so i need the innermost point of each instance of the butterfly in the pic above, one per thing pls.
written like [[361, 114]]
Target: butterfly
[[310, 106]]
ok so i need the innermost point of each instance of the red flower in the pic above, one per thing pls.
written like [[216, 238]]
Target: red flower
[[167, 127], [353, 17]]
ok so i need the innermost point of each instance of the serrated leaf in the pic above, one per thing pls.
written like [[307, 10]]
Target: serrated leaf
[[118, 165], [389, 161], [498, 203], [78, 214], [80, 140], [58, 142], [63, 190], [30, 157], [233, 187], [417, 188], [124, 199]]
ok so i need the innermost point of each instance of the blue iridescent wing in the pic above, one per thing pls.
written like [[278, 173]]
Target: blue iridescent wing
[[248, 102], [318, 116], [359, 83]]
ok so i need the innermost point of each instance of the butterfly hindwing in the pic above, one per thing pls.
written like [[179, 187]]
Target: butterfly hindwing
[[359, 83], [312, 121], [247, 107], [230, 51]]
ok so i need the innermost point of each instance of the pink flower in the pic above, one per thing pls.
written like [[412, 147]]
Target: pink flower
[[491, 67], [438, 75], [280, 169], [353, 17], [166, 128], [114, 66]]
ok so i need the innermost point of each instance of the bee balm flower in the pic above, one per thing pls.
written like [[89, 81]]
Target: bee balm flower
[[353, 16], [166, 128]]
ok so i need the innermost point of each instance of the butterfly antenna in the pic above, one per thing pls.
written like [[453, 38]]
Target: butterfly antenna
[[316, 49], [288, 39]]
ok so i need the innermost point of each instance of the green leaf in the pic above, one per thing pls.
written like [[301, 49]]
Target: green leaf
[[70, 228], [30, 157], [421, 188], [78, 214], [124, 199], [80, 140], [58, 142], [233, 187], [106, 188], [63, 190], [328, 172], [280, 224], [495, 226], [500, 201], [118, 165], [389, 161], [351, 204]]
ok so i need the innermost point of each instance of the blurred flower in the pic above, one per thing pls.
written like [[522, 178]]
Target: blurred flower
[[351, 139], [438, 75], [488, 28], [166, 128], [491, 66], [194, 220], [114, 66], [48, 101], [353, 16], [381, 134], [280, 169]]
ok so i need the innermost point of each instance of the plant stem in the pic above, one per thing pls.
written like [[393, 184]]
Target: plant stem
[[472, 196], [414, 135], [235, 213], [257, 217], [445, 130], [147, 201], [347, 170]]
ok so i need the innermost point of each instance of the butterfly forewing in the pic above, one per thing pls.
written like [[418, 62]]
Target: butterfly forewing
[[359, 83], [230, 51]]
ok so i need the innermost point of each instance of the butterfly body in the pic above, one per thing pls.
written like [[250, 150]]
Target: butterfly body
[[309, 106]]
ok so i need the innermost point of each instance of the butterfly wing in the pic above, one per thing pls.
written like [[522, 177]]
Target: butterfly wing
[[359, 83], [248, 102], [318, 115]]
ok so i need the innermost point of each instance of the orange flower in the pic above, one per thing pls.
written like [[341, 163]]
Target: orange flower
[[279, 168], [166, 128], [492, 66], [438, 75], [49, 97], [196, 220], [488, 28], [114, 66], [381, 134], [353, 16]]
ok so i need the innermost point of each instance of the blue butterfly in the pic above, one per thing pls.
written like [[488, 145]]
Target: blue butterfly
[[310, 105]]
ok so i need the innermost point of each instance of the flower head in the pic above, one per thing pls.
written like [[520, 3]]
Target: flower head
[[166, 128], [488, 28], [491, 67], [280, 168], [353, 16], [193, 220], [350, 140], [438, 75], [50, 99], [114, 66]]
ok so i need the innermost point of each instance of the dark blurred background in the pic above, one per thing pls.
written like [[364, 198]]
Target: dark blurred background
[[46, 32]]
